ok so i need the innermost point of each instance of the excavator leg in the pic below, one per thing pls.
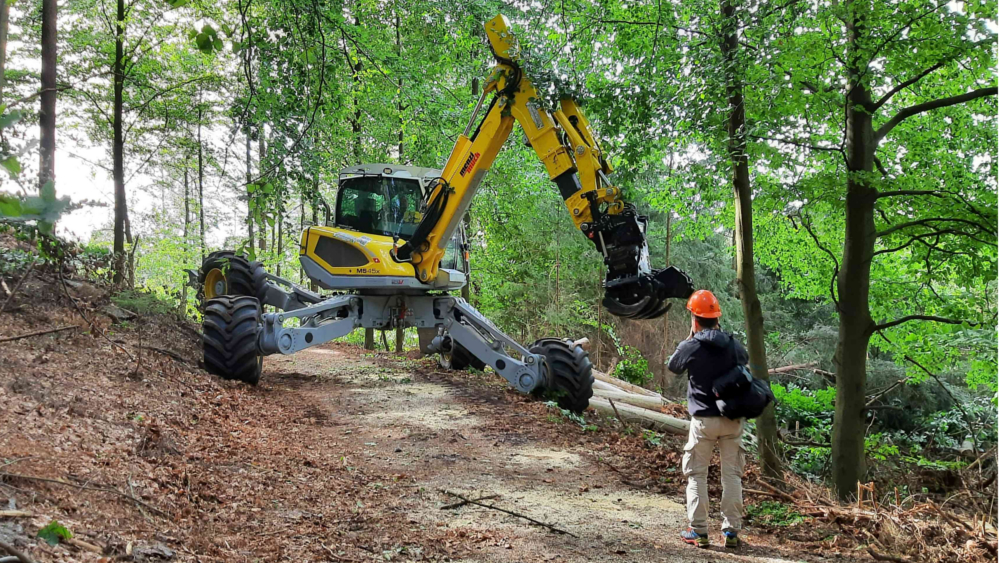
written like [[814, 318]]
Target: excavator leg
[[551, 367]]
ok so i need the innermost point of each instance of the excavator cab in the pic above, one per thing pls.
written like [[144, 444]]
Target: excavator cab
[[379, 204]]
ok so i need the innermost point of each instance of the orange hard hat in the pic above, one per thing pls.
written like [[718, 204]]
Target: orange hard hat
[[703, 304]]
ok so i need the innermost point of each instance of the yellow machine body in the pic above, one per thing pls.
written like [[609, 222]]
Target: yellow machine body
[[375, 249], [377, 206]]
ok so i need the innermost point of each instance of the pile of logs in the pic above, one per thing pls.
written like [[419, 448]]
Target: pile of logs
[[632, 404]]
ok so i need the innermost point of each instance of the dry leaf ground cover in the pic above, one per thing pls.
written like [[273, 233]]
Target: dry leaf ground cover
[[338, 455]]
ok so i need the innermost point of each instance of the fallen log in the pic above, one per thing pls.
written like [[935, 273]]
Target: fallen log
[[795, 367], [598, 384], [625, 385], [618, 396], [643, 417]]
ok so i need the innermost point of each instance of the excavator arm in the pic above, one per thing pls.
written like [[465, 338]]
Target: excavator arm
[[573, 158]]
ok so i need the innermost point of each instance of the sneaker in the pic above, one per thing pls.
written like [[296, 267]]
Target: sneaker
[[694, 538], [732, 539]]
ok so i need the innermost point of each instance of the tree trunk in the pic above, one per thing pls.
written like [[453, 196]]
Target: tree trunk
[[600, 330], [262, 236], [664, 372], [249, 196], [315, 209], [201, 185], [118, 146], [767, 427], [47, 115], [4, 27], [281, 224], [399, 95], [369, 339], [854, 277], [302, 226], [187, 231], [400, 337], [356, 119], [558, 264], [467, 288]]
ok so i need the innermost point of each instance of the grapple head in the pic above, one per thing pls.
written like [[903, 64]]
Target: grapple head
[[645, 296], [632, 289]]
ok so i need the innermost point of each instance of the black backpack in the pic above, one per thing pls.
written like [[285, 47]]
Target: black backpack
[[738, 394]]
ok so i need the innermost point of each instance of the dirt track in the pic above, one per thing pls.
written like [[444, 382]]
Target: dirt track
[[335, 456]]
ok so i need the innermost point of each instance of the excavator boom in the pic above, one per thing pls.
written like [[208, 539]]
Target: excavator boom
[[573, 158]]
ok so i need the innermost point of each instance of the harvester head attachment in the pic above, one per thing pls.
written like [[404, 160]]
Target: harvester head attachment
[[645, 296]]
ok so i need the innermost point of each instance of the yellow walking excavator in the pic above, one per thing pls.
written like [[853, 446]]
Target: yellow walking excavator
[[395, 249]]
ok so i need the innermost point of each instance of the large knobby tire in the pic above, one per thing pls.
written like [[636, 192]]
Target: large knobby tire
[[228, 273], [460, 359], [570, 373], [229, 338]]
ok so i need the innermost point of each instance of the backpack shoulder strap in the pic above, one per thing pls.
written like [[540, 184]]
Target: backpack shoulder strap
[[732, 350]]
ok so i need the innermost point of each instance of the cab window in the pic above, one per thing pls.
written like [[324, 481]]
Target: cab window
[[379, 205]]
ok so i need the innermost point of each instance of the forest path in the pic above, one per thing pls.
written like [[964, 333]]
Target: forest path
[[419, 432]]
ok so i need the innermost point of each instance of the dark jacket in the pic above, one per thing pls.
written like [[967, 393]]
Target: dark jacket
[[705, 357]]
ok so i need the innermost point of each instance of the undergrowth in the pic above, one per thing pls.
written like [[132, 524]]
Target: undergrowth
[[773, 513]]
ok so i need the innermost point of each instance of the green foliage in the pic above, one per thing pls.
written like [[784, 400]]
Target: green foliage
[[570, 415], [878, 447], [793, 401], [773, 513], [653, 439], [632, 366], [42, 209], [54, 532], [145, 302], [811, 462], [14, 260]]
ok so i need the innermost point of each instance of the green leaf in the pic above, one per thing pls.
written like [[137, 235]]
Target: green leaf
[[54, 532], [217, 43], [9, 119], [204, 43], [48, 192], [12, 165]]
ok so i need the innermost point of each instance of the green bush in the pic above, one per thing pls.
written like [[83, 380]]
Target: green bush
[[773, 513], [144, 303], [632, 367]]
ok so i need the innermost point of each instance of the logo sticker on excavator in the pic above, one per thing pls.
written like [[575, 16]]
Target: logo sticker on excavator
[[469, 163]]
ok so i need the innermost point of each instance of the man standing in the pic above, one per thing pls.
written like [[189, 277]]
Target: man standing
[[707, 354]]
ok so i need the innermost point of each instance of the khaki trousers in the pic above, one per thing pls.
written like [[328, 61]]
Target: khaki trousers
[[704, 433]]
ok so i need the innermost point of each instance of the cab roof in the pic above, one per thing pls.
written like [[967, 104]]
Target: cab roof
[[394, 171]]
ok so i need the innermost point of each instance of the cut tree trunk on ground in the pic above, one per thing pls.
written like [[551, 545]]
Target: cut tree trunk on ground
[[794, 367], [598, 384], [643, 417], [625, 385], [629, 398]]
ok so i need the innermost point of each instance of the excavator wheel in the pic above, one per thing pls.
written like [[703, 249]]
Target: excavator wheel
[[570, 373], [460, 359], [228, 273], [229, 338]]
